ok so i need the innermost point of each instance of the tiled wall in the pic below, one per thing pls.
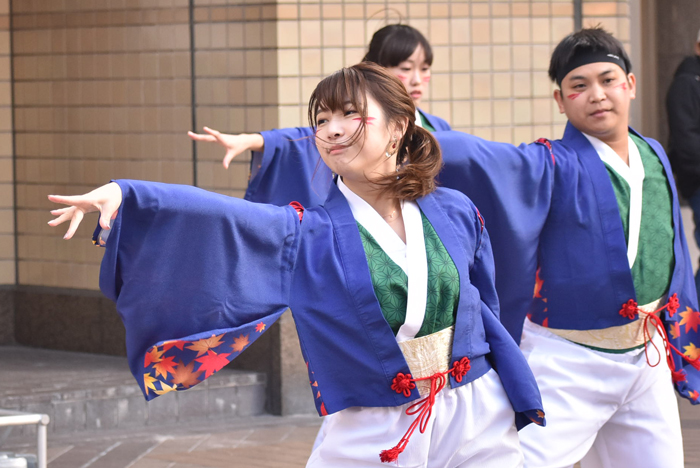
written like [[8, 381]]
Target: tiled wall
[[102, 90], [7, 224]]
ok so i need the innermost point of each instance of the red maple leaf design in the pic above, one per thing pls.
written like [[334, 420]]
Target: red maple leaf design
[[691, 319], [184, 375], [675, 330], [260, 327], [240, 343], [152, 355], [694, 395], [168, 345], [164, 366], [212, 363], [545, 322]]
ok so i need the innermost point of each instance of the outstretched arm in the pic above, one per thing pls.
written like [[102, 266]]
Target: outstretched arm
[[196, 276]]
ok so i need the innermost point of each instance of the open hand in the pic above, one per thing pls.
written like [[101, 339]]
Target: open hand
[[234, 144], [106, 199]]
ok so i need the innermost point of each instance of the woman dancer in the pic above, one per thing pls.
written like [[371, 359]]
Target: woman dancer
[[407, 351]]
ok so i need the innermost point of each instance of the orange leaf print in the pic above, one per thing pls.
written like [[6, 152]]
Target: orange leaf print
[[694, 395], [148, 382], [184, 375], [240, 343], [675, 330], [538, 285], [540, 414], [691, 319], [205, 344], [164, 366], [212, 363], [179, 344], [691, 352], [165, 388], [152, 355], [260, 327]]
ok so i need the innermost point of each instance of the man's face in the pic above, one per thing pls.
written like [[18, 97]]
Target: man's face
[[596, 98]]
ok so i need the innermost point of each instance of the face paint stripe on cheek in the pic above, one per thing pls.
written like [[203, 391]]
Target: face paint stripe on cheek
[[573, 96], [426, 79], [368, 120], [623, 86]]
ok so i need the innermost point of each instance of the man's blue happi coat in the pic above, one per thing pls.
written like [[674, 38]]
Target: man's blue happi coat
[[549, 209], [198, 276]]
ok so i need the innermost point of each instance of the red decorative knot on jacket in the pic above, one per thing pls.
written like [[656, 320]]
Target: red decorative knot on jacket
[[404, 383], [299, 208], [548, 144], [630, 310]]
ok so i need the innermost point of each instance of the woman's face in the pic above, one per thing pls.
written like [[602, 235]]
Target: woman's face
[[365, 157], [414, 73]]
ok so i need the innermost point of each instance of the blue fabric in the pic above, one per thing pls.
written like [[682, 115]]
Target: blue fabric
[[695, 205], [437, 123], [186, 266]]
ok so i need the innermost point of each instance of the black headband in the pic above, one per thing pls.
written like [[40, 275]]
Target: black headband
[[585, 58]]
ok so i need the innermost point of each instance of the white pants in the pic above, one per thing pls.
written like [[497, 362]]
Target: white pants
[[606, 410], [471, 424]]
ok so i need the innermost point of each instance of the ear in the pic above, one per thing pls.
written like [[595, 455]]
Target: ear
[[560, 100], [399, 129], [632, 80]]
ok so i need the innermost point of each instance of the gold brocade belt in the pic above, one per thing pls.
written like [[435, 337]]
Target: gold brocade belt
[[428, 355], [623, 337]]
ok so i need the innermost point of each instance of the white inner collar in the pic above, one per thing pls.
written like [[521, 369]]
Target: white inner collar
[[634, 176], [409, 256], [419, 121]]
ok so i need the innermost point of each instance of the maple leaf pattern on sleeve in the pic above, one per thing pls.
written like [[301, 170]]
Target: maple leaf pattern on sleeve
[[179, 364]]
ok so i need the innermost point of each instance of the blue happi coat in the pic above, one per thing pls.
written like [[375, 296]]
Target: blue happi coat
[[198, 276], [290, 168], [552, 209]]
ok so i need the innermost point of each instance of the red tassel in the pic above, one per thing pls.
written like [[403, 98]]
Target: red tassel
[[391, 455], [694, 362], [678, 376]]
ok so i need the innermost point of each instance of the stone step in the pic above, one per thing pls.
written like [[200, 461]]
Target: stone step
[[88, 392]]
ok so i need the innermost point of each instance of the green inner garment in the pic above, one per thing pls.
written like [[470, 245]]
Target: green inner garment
[[424, 123], [653, 267], [391, 283]]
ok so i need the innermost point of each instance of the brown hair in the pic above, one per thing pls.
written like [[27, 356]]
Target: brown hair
[[418, 159]]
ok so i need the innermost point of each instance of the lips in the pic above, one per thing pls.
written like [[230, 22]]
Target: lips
[[336, 149], [600, 112]]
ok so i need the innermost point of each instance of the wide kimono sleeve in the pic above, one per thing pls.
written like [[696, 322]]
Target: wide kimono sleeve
[[289, 169], [505, 355], [196, 278], [512, 187]]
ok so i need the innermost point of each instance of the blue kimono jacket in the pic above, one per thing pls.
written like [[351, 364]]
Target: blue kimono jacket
[[553, 209], [198, 276], [550, 206], [290, 168]]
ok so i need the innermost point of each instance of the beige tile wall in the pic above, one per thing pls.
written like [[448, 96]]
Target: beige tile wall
[[102, 90], [7, 224]]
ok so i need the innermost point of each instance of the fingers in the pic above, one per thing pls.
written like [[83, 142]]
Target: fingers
[[74, 223], [66, 200], [65, 215], [230, 154], [199, 137]]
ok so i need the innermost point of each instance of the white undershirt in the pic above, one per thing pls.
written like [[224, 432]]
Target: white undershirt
[[409, 256], [634, 176]]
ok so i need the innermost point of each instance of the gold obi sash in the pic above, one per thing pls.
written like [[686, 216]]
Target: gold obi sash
[[427, 356], [616, 339]]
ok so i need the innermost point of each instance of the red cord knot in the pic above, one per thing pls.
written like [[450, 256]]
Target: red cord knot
[[672, 305], [629, 309], [678, 376], [403, 383], [390, 456], [460, 368]]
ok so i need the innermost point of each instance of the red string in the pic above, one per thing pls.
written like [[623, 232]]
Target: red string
[[423, 408]]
